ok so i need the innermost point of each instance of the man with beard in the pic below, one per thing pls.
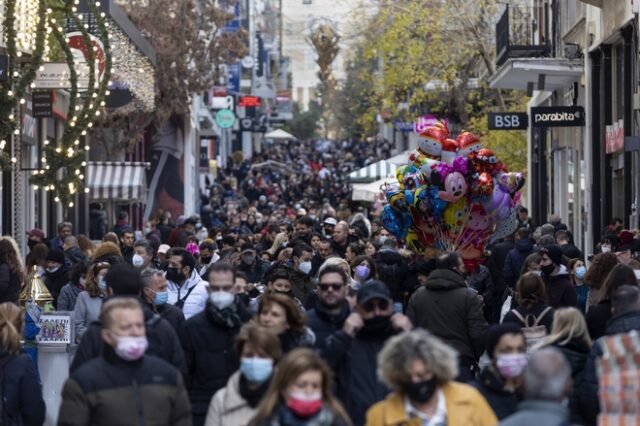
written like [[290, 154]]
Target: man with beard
[[331, 307], [352, 351]]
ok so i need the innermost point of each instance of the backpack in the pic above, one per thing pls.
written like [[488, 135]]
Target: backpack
[[533, 333]]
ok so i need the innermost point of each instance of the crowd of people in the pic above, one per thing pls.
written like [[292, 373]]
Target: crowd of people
[[281, 303]]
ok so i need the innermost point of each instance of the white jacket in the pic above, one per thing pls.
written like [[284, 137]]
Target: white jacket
[[197, 299], [228, 407]]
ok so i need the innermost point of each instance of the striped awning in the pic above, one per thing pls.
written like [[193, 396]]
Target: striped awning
[[118, 181], [373, 172]]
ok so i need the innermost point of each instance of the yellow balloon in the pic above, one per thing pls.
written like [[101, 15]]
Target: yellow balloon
[[456, 215]]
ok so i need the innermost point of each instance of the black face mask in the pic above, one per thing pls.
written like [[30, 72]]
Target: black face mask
[[286, 293], [206, 260], [421, 392], [377, 324], [31, 244], [174, 275], [548, 270]]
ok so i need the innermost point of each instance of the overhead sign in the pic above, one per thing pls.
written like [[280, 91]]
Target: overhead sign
[[42, 104], [28, 127], [225, 118], [80, 52], [614, 137], [56, 75], [557, 116], [4, 67], [403, 126], [422, 123], [508, 121], [249, 101]]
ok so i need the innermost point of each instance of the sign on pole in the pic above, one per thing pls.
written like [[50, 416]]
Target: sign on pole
[[508, 121], [225, 118], [557, 116]]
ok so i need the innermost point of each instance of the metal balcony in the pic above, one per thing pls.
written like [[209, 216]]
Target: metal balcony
[[518, 34]]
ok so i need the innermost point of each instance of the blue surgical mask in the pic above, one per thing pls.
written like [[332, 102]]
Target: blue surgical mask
[[102, 284], [256, 370], [580, 271], [161, 297]]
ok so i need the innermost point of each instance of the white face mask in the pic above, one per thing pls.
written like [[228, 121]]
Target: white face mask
[[606, 249], [305, 267], [222, 299], [137, 260]]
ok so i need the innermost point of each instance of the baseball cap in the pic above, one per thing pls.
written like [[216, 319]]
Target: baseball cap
[[56, 256], [373, 289], [331, 221], [35, 232], [247, 247], [164, 248]]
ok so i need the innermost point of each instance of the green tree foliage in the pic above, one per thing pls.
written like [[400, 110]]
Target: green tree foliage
[[305, 124]]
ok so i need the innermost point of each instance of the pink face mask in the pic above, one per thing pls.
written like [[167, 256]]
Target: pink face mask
[[130, 348], [511, 365]]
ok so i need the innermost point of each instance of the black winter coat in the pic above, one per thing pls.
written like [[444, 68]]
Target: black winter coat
[[169, 312], [74, 255], [560, 290], [514, 261], [491, 386], [323, 324], [499, 252], [597, 318], [392, 270], [211, 358], [55, 281], [23, 403], [354, 363], [449, 309], [163, 342], [588, 394], [575, 352], [9, 285], [571, 252], [301, 286]]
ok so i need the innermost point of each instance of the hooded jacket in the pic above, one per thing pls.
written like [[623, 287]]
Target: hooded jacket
[[514, 261], [588, 394], [323, 323], [450, 310], [560, 291]]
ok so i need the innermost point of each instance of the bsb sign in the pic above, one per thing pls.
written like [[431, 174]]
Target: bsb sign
[[508, 121], [570, 116]]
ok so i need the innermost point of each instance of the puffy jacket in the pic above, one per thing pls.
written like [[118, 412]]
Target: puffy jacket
[[465, 407], [491, 386], [109, 391], [354, 363], [514, 261], [228, 407], [560, 290], [449, 309], [323, 323], [23, 403], [588, 394], [163, 342], [195, 301], [208, 347]]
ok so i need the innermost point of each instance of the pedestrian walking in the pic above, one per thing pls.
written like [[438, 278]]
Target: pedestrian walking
[[283, 316], [89, 301], [76, 285], [156, 295], [123, 383], [11, 273], [560, 291], [187, 291], [420, 369]]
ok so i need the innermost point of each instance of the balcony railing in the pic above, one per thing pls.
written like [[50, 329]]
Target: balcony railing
[[519, 35]]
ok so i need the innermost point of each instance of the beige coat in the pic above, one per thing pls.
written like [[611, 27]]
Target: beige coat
[[227, 406]]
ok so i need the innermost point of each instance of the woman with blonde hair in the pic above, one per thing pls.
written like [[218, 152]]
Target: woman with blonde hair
[[420, 369], [570, 335], [22, 394], [300, 394]]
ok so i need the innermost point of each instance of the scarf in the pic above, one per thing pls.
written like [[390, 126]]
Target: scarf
[[284, 417], [252, 396], [227, 317]]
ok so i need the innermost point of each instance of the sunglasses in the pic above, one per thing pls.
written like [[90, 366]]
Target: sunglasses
[[370, 306], [333, 286]]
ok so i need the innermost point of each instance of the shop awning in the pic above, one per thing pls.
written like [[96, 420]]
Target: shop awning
[[118, 181], [381, 169], [369, 191], [519, 73]]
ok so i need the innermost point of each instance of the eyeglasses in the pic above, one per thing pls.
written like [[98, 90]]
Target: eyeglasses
[[370, 306], [332, 286]]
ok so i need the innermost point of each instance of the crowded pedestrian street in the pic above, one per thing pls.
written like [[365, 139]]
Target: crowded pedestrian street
[[319, 213]]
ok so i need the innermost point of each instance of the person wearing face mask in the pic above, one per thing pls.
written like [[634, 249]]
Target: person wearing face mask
[[560, 291], [420, 369], [364, 269], [208, 339], [254, 267], [452, 311], [300, 394], [124, 281], [578, 272], [208, 256], [501, 381], [280, 314], [71, 290], [301, 283], [56, 274], [547, 385], [352, 351], [143, 255], [89, 301], [156, 295], [187, 290], [119, 384], [237, 402]]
